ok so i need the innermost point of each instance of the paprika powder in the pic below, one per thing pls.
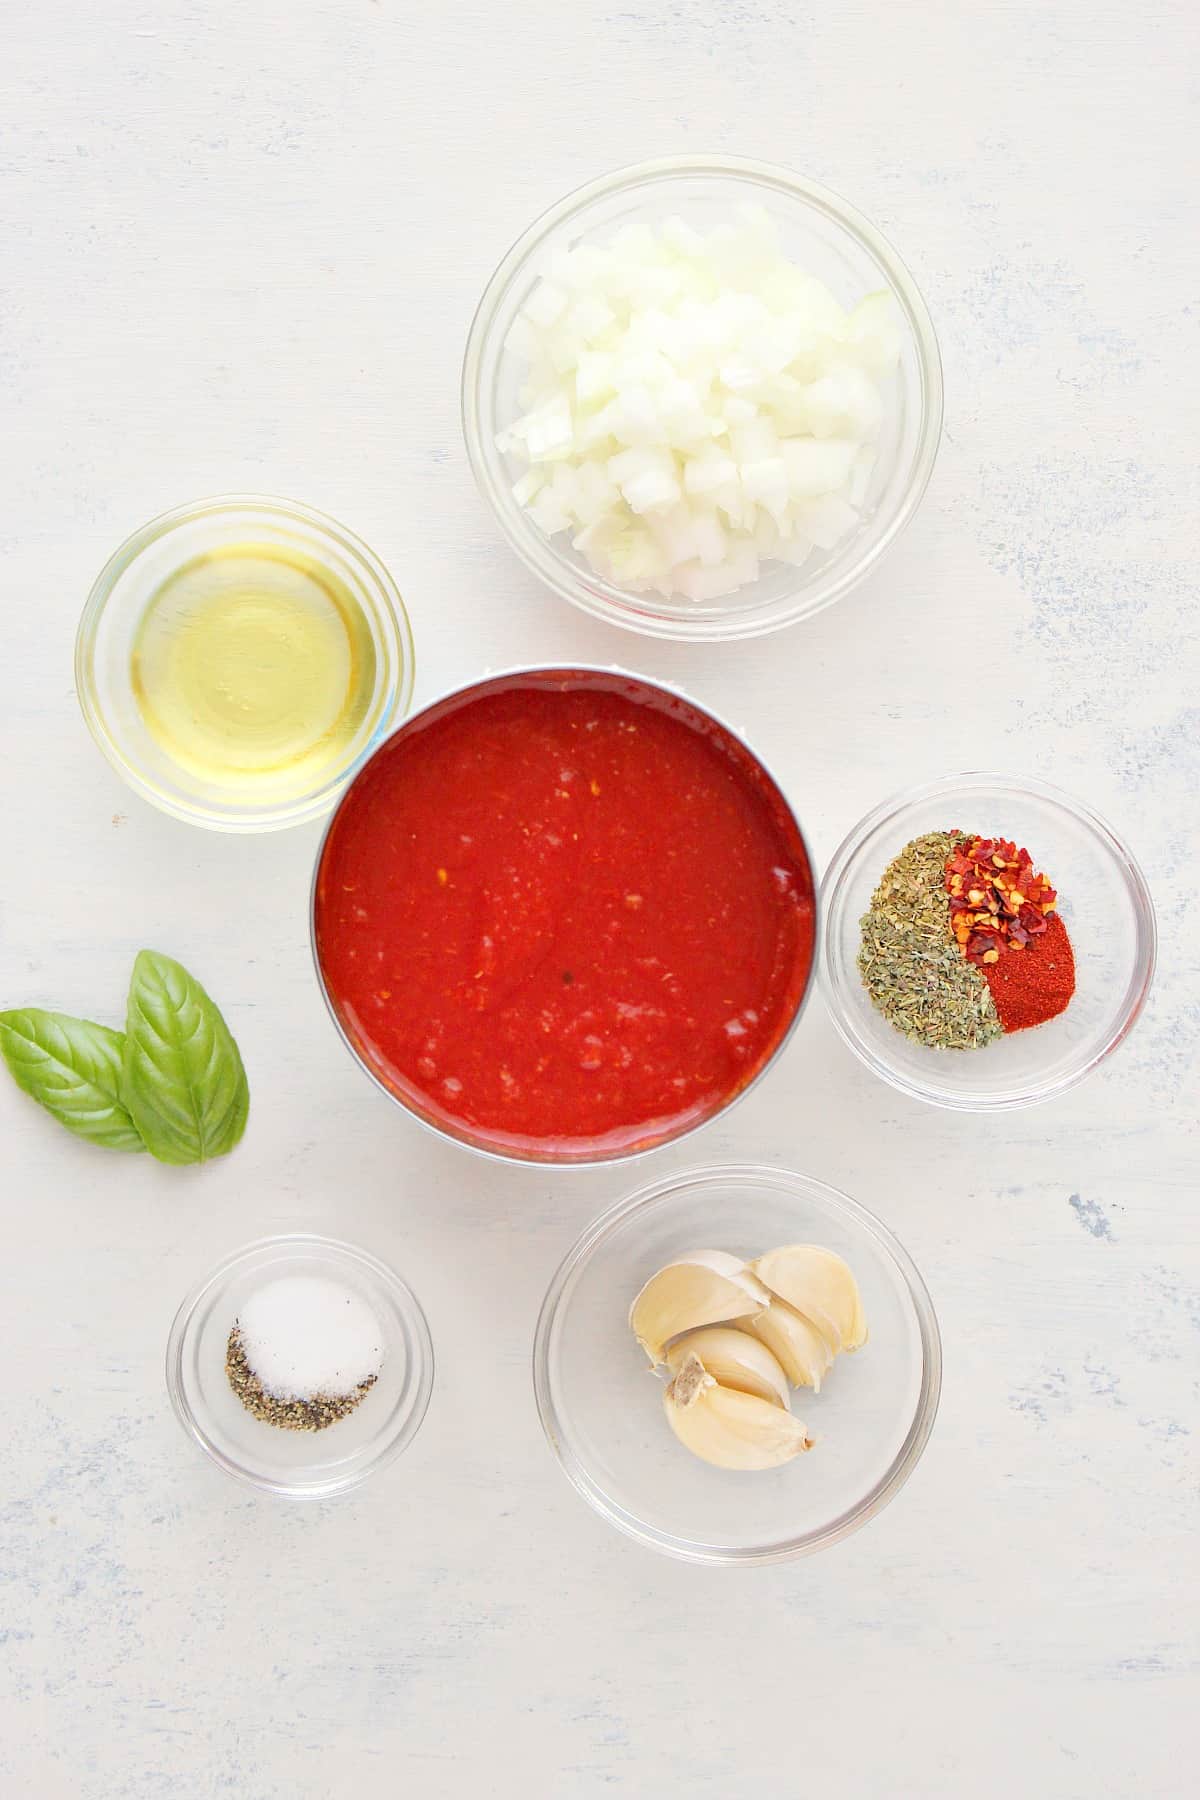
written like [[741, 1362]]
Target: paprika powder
[[1035, 983]]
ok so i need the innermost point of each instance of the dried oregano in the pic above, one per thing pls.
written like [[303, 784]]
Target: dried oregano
[[910, 964]]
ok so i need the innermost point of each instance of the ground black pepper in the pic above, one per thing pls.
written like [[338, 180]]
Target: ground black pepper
[[309, 1414]]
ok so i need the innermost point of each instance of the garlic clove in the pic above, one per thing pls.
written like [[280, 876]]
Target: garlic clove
[[734, 1359], [818, 1284], [728, 1428], [705, 1288], [860, 1333], [802, 1351]]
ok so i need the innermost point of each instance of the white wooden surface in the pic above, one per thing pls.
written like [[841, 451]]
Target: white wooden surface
[[240, 246]]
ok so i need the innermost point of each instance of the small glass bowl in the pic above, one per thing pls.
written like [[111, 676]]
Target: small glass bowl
[[1105, 905], [116, 606], [830, 240], [601, 1407], [307, 1464]]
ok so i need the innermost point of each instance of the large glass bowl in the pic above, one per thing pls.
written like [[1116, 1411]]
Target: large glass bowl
[[1105, 905], [117, 604], [830, 240], [300, 1464], [601, 1406]]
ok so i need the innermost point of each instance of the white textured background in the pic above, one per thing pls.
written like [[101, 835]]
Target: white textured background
[[240, 243]]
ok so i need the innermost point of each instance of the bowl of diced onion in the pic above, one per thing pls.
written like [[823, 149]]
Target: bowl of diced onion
[[702, 396]]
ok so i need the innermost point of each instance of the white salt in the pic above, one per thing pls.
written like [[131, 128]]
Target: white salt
[[303, 1335]]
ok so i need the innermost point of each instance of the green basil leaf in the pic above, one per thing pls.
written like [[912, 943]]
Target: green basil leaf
[[73, 1069], [181, 1076]]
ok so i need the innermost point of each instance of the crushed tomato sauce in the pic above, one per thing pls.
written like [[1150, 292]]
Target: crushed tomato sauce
[[567, 916]]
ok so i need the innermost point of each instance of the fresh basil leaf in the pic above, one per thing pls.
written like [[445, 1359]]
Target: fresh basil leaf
[[181, 1075], [73, 1069]]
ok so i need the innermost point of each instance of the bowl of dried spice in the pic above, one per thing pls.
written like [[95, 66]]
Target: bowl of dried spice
[[301, 1365], [988, 942]]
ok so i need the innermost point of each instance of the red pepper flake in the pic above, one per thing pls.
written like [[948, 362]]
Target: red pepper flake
[[1037, 985], [998, 902]]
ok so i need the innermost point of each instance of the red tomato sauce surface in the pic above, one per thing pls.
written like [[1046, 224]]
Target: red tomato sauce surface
[[564, 916]]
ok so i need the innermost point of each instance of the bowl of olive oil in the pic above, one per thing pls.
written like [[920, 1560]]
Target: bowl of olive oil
[[238, 658]]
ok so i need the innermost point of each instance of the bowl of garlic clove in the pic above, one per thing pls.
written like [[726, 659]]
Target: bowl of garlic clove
[[743, 1404]]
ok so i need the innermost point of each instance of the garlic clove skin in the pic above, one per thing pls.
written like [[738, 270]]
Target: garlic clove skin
[[727, 1428], [690, 1380], [802, 1351], [732, 1268], [734, 1359], [706, 1288], [818, 1284]]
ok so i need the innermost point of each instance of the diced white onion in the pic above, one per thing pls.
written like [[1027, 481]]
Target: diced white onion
[[694, 403], [818, 465], [827, 520]]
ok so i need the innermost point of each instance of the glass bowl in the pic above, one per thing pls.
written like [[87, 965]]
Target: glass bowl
[[1105, 905], [601, 1407], [135, 573], [307, 1464], [673, 700], [830, 240]]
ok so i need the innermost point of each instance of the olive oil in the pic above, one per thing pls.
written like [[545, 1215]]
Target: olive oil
[[254, 669]]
